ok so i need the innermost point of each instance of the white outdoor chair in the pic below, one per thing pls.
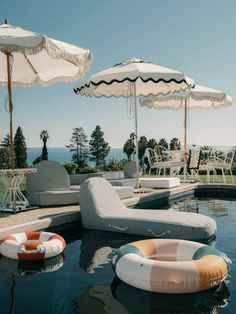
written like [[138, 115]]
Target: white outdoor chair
[[177, 156], [162, 161], [223, 163], [172, 158], [205, 164]]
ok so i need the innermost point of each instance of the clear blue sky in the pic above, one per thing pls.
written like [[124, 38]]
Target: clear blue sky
[[197, 37]]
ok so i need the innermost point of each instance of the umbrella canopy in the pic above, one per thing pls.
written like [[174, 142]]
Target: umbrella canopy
[[35, 58], [198, 97], [28, 58], [134, 78]]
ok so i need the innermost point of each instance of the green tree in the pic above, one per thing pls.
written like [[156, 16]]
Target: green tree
[[37, 160], [6, 141], [152, 143], [208, 148], [20, 149], [78, 147], [175, 144], [5, 153], [129, 147], [99, 149], [44, 136], [142, 145], [163, 142]]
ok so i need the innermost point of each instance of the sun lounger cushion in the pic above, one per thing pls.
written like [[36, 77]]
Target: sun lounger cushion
[[122, 191], [53, 198], [159, 183], [123, 182], [102, 209], [50, 186]]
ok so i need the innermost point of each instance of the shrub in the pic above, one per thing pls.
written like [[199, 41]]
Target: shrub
[[86, 170], [70, 167]]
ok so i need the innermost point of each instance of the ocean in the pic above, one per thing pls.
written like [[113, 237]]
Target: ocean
[[63, 154]]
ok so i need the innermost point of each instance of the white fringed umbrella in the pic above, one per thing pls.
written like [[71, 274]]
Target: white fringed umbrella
[[28, 58], [134, 78], [198, 97]]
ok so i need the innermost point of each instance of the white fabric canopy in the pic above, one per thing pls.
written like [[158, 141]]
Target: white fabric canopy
[[199, 97], [35, 58], [28, 58], [150, 79], [134, 78]]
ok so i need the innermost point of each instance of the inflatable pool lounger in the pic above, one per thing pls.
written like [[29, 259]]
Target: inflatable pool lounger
[[102, 209]]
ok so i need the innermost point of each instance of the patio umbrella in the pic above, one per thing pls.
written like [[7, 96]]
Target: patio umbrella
[[198, 97], [134, 78], [28, 58]]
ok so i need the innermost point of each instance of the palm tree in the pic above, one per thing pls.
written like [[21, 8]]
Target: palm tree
[[44, 136]]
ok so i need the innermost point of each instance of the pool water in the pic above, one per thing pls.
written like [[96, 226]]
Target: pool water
[[82, 280]]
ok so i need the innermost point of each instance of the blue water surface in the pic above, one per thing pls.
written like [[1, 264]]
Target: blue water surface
[[63, 154], [82, 280]]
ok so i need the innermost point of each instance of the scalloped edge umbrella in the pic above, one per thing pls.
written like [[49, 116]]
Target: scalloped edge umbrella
[[134, 78]]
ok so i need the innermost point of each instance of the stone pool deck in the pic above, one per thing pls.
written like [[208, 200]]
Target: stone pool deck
[[42, 218]]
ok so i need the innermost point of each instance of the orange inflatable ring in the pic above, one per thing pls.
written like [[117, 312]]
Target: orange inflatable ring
[[32, 245]]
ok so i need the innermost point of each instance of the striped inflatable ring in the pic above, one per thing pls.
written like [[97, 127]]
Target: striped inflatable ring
[[32, 245], [170, 266]]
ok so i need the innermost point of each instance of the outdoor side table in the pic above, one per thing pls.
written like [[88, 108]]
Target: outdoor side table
[[14, 200]]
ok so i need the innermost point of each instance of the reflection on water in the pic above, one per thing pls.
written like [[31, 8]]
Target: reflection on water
[[96, 247], [215, 207], [123, 298], [139, 301], [16, 270], [99, 299]]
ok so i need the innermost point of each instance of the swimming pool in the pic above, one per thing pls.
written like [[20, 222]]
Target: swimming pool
[[82, 280]]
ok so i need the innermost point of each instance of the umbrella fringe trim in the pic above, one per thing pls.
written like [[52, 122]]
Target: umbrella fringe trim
[[227, 99], [125, 96], [192, 108], [16, 48], [84, 59], [216, 102], [47, 83]]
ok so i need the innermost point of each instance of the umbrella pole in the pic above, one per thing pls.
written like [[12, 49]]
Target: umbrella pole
[[185, 123], [136, 135], [185, 136], [10, 109]]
